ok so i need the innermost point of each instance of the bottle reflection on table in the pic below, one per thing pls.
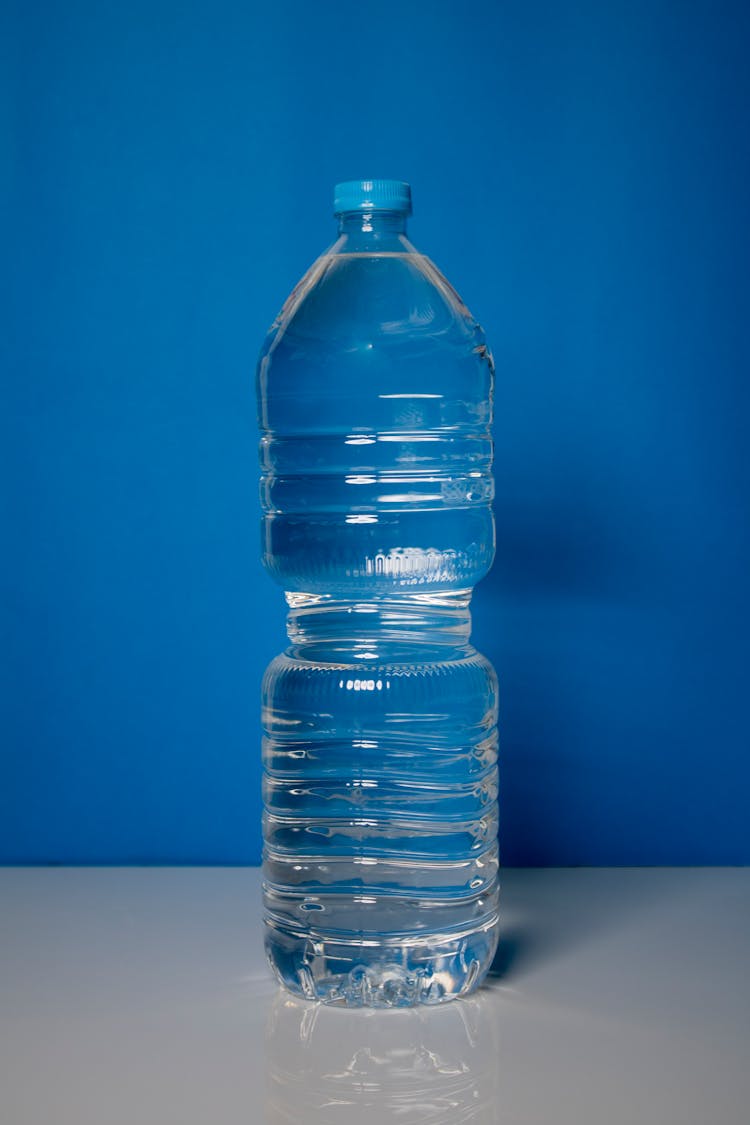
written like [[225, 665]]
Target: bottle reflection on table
[[433, 1065]]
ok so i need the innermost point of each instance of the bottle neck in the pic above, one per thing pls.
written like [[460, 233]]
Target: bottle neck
[[378, 231], [372, 222]]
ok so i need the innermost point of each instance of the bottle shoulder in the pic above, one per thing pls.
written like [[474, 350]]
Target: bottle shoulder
[[352, 296], [376, 339]]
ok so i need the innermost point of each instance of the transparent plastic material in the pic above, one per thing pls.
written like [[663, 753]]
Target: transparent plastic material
[[380, 735]]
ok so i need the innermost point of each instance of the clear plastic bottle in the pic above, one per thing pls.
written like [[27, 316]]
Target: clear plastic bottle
[[380, 719]]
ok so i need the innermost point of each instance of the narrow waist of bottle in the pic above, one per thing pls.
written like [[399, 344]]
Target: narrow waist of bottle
[[382, 626]]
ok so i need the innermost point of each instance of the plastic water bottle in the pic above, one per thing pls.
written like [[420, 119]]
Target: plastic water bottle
[[380, 719]]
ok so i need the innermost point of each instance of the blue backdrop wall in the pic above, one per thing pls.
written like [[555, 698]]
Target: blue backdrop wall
[[580, 173]]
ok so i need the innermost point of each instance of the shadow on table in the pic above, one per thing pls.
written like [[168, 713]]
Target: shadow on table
[[550, 911]]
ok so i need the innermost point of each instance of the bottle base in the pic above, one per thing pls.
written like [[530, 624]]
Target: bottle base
[[381, 972]]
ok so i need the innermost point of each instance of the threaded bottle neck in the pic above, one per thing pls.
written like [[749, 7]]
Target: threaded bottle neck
[[373, 223]]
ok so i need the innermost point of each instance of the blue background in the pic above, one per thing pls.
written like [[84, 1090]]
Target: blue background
[[580, 173]]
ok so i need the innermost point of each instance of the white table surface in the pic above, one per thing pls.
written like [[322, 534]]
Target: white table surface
[[141, 996]]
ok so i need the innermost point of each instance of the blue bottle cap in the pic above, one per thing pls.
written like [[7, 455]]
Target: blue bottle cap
[[372, 195]]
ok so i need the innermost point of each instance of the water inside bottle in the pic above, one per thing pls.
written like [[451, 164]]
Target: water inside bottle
[[380, 718]]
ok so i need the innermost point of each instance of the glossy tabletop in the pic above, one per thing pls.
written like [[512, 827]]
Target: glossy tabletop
[[619, 996]]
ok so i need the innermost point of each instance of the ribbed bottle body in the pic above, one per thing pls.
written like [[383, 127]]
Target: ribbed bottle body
[[380, 719]]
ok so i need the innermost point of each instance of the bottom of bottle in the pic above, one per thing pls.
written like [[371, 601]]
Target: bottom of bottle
[[354, 972]]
